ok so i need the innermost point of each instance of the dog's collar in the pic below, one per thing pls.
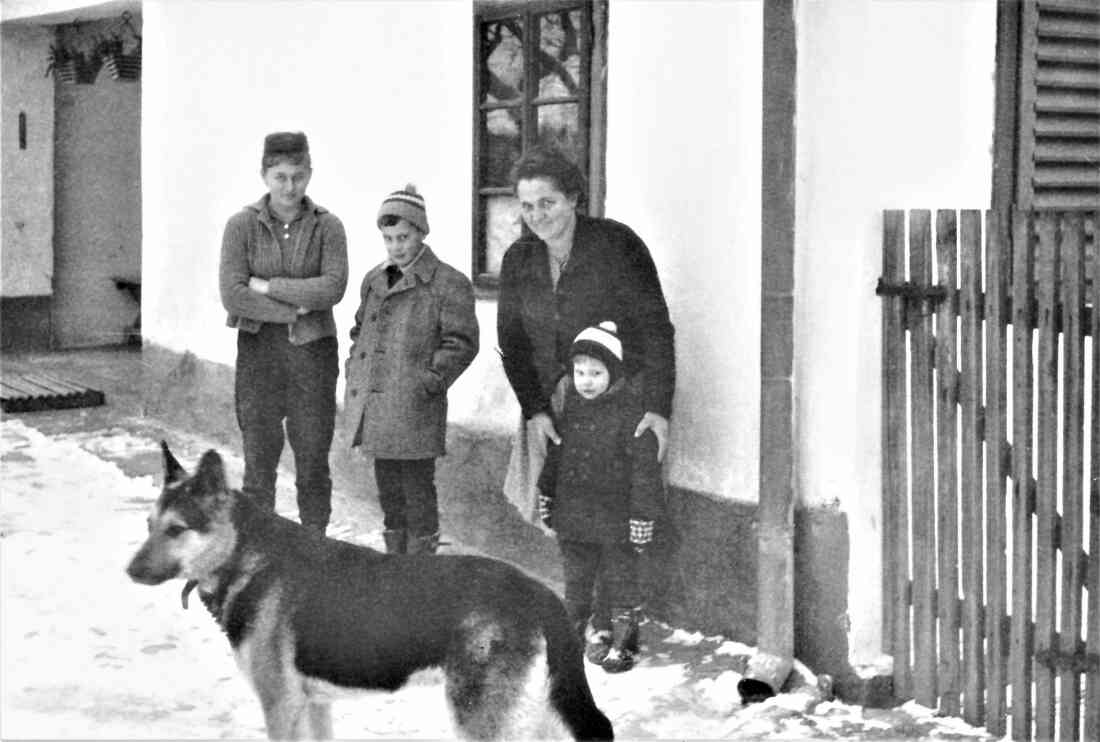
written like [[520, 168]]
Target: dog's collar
[[187, 588]]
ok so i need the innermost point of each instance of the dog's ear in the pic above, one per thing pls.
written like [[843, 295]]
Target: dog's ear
[[173, 472], [211, 473]]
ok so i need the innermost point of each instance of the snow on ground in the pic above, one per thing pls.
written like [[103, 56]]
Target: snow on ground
[[87, 654]]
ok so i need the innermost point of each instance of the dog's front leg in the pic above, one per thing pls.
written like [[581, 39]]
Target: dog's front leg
[[284, 701], [318, 720], [284, 705]]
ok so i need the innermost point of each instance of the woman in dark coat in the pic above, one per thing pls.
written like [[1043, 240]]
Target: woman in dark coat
[[566, 272]]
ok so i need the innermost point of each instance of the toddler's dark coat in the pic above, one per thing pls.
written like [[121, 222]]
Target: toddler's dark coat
[[601, 476]]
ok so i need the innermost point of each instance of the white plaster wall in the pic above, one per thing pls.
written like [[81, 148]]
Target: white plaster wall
[[895, 110], [26, 243], [683, 169], [383, 91]]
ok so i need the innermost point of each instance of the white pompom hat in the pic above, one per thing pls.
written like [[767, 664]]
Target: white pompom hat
[[601, 342]]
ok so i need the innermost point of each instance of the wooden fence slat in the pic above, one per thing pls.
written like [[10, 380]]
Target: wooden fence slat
[[923, 468], [972, 632], [1046, 454], [1073, 520], [1092, 682], [947, 509], [1020, 656], [970, 400], [894, 455], [996, 435]]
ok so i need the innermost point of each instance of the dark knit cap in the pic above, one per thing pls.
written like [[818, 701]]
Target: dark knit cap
[[289, 143], [601, 342], [406, 204]]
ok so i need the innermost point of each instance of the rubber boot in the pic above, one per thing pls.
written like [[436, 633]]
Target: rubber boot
[[424, 544], [396, 540], [624, 642], [598, 635], [597, 644]]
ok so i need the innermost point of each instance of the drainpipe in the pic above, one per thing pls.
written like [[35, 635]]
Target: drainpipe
[[768, 670]]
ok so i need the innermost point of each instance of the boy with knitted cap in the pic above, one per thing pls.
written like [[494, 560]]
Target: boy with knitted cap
[[415, 332], [601, 492]]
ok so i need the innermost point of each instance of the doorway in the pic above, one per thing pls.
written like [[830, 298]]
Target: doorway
[[97, 203]]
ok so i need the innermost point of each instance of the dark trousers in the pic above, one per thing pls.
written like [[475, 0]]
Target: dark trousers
[[610, 569], [278, 381], [406, 490]]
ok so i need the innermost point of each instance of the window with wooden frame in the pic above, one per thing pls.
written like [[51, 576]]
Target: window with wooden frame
[[1047, 129], [540, 79]]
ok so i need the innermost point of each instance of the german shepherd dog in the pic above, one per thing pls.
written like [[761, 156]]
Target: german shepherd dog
[[308, 615]]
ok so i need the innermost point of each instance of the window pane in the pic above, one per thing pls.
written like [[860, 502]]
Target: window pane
[[502, 228], [560, 54], [500, 143], [502, 60], [558, 126]]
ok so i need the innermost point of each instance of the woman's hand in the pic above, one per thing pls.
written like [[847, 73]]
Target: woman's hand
[[259, 285], [659, 425], [545, 426]]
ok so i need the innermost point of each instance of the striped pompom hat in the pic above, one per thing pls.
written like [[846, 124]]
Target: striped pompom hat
[[406, 204], [602, 342]]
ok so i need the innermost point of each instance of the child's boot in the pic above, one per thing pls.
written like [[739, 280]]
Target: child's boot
[[624, 642], [396, 540], [597, 638]]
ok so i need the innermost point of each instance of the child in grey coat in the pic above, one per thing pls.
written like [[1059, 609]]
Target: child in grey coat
[[415, 332]]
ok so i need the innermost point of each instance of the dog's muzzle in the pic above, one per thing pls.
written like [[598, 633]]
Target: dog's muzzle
[[142, 570]]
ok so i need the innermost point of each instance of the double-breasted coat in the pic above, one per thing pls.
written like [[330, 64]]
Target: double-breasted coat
[[409, 344]]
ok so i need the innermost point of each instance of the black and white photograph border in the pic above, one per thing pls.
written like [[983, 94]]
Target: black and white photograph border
[[849, 247]]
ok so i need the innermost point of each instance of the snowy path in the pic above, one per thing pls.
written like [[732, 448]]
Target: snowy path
[[89, 654]]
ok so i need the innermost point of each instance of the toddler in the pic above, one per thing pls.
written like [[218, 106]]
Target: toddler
[[601, 492]]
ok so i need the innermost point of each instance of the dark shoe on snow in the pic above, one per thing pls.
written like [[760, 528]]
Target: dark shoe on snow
[[596, 646], [619, 659], [624, 643]]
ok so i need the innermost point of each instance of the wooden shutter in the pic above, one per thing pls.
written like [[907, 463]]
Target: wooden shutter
[[1058, 99]]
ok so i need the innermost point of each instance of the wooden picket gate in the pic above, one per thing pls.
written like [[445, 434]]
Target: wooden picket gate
[[991, 468]]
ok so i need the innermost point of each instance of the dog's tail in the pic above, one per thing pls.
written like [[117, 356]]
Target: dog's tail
[[569, 692]]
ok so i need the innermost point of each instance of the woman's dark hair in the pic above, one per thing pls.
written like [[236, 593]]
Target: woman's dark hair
[[549, 163]]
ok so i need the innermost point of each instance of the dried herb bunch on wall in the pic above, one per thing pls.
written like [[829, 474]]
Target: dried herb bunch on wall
[[76, 57], [121, 53], [72, 61]]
